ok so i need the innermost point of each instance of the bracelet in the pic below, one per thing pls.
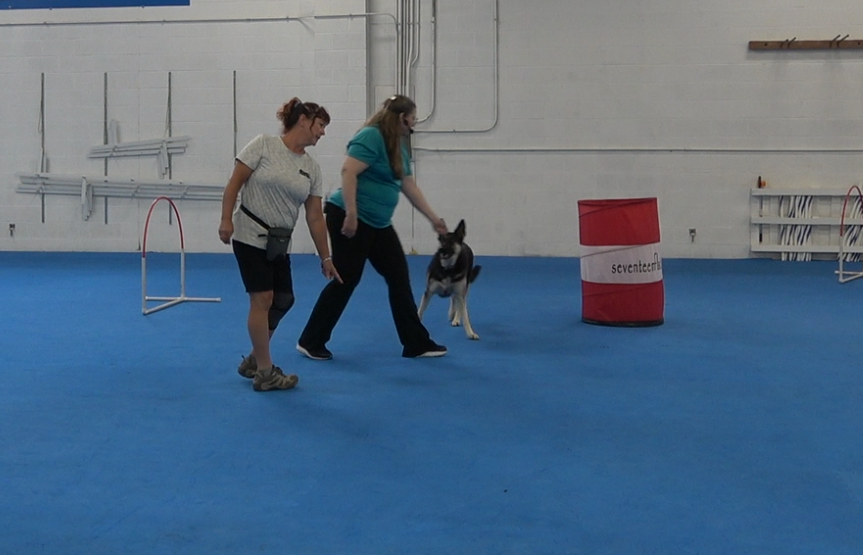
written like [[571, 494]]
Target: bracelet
[[324, 261]]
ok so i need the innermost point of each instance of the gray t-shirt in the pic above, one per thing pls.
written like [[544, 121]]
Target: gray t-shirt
[[280, 183]]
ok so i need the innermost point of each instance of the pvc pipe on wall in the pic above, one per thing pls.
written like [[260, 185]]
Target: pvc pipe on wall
[[624, 150], [495, 85]]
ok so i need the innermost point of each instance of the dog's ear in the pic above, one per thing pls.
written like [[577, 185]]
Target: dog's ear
[[459, 231]]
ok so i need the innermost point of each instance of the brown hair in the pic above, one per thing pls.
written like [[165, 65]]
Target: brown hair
[[289, 114], [388, 120]]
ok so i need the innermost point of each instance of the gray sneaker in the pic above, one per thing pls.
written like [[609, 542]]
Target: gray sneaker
[[248, 367], [274, 378]]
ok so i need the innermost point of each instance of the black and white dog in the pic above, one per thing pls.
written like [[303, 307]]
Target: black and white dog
[[450, 274]]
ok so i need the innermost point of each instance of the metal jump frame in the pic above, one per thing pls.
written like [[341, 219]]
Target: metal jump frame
[[170, 301], [846, 275]]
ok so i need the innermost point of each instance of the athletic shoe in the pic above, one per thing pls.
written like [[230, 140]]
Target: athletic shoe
[[248, 367], [435, 351], [315, 354], [274, 378]]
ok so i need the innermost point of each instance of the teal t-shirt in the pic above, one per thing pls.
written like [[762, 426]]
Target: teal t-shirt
[[377, 187]]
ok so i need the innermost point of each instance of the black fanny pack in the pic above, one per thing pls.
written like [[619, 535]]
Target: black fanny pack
[[278, 238]]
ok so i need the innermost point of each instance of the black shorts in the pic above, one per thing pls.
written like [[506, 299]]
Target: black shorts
[[259, 274]]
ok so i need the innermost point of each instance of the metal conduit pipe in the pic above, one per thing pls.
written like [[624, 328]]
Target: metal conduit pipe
[[152, 22], [617, 150], [495, 87], [406, 48], [196, 21], [414, 52], [370, 95], [43, 157], [406, 41], [433, 91], [402, 42], [234, 106], [398, 45]]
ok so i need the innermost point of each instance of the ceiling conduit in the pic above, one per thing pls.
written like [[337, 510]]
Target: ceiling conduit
[[495, 79]]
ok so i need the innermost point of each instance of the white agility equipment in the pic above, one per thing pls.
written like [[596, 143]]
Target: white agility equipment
[[169, 301], [848, 235], [160, 148]]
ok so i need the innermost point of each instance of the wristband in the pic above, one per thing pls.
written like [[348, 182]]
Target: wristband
[[325, 260]]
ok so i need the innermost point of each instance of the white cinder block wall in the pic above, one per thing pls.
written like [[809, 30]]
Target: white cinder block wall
[[527, 107]]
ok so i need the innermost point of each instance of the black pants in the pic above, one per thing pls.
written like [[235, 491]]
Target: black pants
[[382, 248]]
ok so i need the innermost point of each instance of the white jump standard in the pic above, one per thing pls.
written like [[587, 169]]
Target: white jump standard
[[848, 234], [167, 301]]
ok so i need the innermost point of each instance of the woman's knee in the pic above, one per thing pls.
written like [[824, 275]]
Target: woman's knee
[[261, 300], [282, 303]]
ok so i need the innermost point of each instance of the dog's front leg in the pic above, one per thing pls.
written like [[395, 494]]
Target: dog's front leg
[[432, 287], [424, 302], [459, 299], [452, 314]]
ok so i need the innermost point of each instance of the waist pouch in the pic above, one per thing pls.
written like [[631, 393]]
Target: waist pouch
[[278, 238]]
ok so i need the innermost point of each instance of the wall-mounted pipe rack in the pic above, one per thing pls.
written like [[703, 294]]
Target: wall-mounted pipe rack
[[89, 187], [779, 228], [836, 43], [160, 148]]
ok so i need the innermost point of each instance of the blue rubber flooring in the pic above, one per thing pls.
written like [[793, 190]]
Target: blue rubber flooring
[[734, 428]]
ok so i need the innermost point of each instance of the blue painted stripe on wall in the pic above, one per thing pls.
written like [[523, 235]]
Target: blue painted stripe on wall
[[50, 4]]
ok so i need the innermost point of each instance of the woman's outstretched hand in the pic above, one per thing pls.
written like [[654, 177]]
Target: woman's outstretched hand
[[440, 226], [349, 227], [329, 270]]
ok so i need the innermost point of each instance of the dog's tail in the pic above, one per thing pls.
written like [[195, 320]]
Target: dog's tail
[[473, 273]]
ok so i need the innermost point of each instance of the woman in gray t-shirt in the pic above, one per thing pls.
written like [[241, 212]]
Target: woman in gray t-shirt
[[273, 177]]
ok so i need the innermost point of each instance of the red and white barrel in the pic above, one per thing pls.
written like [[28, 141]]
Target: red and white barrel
[[621, 269]]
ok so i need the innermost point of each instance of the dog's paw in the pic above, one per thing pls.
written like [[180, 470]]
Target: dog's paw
[[455, 323], [473, 335]]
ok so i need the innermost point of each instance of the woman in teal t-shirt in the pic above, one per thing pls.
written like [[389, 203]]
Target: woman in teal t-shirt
[[359, 222]]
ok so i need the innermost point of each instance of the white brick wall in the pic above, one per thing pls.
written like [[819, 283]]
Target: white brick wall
[[579, 84], [273, 61], [617, 75]]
